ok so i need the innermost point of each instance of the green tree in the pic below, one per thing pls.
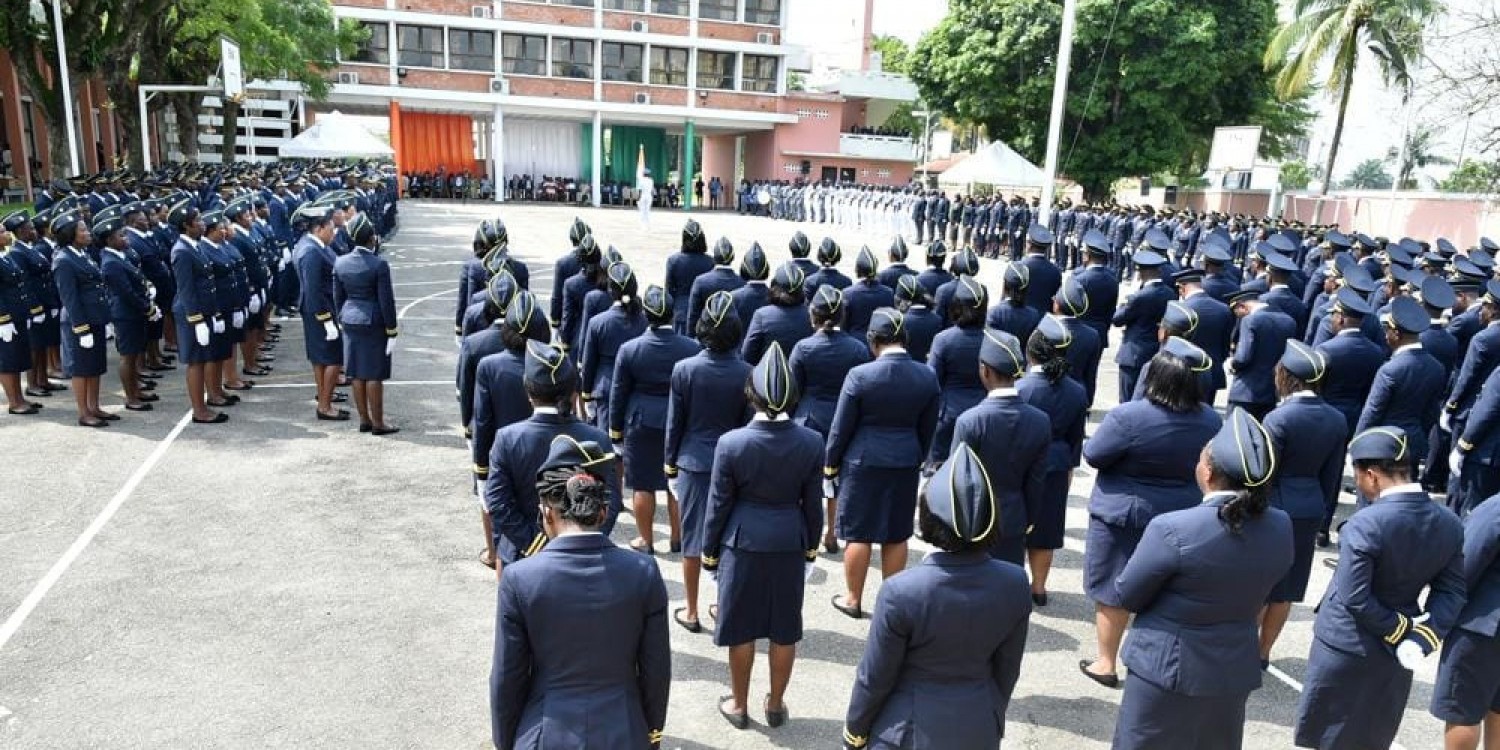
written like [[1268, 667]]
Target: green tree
[[1150, 79], [1295, 175], [1420, 154], [1474, 176], [893, 52], [1370, 174], [1337, 31]]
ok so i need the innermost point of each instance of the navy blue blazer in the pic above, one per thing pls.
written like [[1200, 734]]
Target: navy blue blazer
[[1389, 552], [766, 494], [471, 278], [886, 415], [1261, 342], [566, 268], [1066, 405], [1442, 345], [499, 401], [643, 378], [891, 274], [1353, 361], [1044, 282], [1481, 613], [682, 270], [707, 400], [861, 300], [128, 299], [784, 325], [1083, 354], [314, 262], [932, 278], [33, 260], [819, 364], [155, 263], [1219, 286], [1479, 360], [1140, 316], [826, 275], [922, 326], [1308, 437], [1465, 325], [1407, 393], [1017, 321], [1146, 455], [1216, 325], [362, 291], [1479, 426], [472, 350], [1282, 298], [943, 655], [510, 490], [747, 299], [229, 287], [582, 654], [575, 289], [1197, 589], [83, 292], [194, 278], [606, 333], [1011, 438], [716, 279]]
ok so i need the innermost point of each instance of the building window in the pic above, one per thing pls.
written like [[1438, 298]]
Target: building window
[[524, 55], [421, 46], [669, 66], [718, 10], [634, 6], [376, 49], [670, 7], [471, 50], [572, 58], [575, 3], [715, 70], [760, 74], [622, 62], [767, 12]]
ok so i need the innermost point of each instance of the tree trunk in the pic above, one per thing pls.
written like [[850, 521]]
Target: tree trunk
[[1338, 132], [59, 158], [185, 114], [231, 129], [129, 121]]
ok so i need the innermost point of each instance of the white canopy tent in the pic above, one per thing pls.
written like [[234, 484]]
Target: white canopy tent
[[997, 165], [334, 136]]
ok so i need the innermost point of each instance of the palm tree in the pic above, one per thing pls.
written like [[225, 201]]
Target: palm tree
[[1419, 154], [1340, 29]]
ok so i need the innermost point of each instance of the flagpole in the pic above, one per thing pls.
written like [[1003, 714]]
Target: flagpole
[[1059, 102]]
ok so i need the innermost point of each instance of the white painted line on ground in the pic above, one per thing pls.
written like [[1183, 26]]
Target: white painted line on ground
[[17, 618], [420, 300], [1276, 672]]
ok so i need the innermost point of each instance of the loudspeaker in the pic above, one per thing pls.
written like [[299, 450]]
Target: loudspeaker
[[806, 167]]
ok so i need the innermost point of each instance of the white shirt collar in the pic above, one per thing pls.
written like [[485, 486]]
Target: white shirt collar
[[1279, 286], [117, 253], [1299, 394], [135, 231], [1003, 393], [1038, 369], [1193, 293], [1402, 489], [544, 410], [893, 350], [1417, 345], [761, 416], [1350, 331]]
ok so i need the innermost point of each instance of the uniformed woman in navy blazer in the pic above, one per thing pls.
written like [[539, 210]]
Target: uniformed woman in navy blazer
[[582, 654], [721, 278], [765, 512], [195, 308], [642, 382], [707, 399], [1012, 314], [1048, 386], [954, 359], [865, 295], [755, 270], [683, 268], [30, 253], [227, 300], [829, 255], [130, 306], [1308, 437], [1467, 691], [917, 317], [819, 364], [784, 321], [930, 680], [1374, 627], [882, 429], [17, 308], [1144, 453], [366, 305], [85, 313], [607, 332], [1196, 583]]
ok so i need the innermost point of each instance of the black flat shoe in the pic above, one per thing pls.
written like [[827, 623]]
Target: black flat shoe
[[831, 546], [340, 398], [243, 385], [38, 393], [1039, 600], [1323, 540], [383, 431], [56, 387], [736, 720], [775, 718], [148, 385], [150, 398], [221, 404], [338, 416], [30, 409], [855, 612], [366, 427], [258, 372], [675, 548], [110, 417], [219, 418], [93, 423], [149, 376], [160, 368], [140, 407], [1111, 681], [691, 626]]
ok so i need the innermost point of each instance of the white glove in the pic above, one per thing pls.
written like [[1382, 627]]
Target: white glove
[[155, 314], [1410, 655], [390, 347], [109, 331], [330, 331], [39, 318], [1445, 421], [458, 340], [56, 313], [254, 303], [200, 333], [672, 485], [286, 256], [1456, 463], [807, 571], [7, 332], [829, 490], [86, 341], [237, 319], [218, 325], [150, 290]]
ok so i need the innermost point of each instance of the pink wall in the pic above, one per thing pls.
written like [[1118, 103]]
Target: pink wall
[[1422, 216], [812, 134], [718, 158], [762, 158]]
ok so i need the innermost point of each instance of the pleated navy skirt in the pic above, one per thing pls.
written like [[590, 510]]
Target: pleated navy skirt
[[760, 597]]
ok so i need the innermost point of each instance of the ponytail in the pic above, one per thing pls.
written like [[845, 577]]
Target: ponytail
[[1247, 504], [1056, 369]]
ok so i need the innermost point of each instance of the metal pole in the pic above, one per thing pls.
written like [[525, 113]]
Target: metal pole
[[597, 150], [145, 130], [67, 87], [249, 136], [1059, 100], [688, 165]]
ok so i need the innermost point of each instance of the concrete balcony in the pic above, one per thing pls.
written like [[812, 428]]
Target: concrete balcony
[[887, 147]]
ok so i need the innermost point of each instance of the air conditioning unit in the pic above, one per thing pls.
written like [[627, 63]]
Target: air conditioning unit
[[482, 11], [640, 27], [499, 86], [765, 37], [349, 78], [642, 97]]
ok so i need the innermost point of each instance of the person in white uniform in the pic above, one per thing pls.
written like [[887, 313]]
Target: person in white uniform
[[647, 188]]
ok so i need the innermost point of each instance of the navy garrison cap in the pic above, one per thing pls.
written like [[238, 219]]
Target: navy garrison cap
[[1054, 331], [1179, 318], [1406, 315], [657, 301], [799, 245], [772, 380], [522, 316], [1384, 443], [964, 262], [959, 495], [566, 453], [898, 251], [588, 250], [502, 289], [1072, 298], [107, 226], [754, 266], [908, 288], [64, 222], [936, 251], [723, 253], [788, 276], [1242, 450], [827, 300], [14, 220], [1037, 234], [546, 364], [970, 292], [829, 253], [1196, 359], [865, 264], [1001, 352], [887, 323], [718, 308], [1303, 362], [1017, 276]]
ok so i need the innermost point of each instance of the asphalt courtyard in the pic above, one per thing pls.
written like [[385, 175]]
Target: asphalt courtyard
[[283, 582]]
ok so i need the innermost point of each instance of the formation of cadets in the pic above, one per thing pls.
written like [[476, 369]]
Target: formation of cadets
[[792, 411], [185, 266]]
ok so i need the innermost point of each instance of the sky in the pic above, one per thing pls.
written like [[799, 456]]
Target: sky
[[832, 30]]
